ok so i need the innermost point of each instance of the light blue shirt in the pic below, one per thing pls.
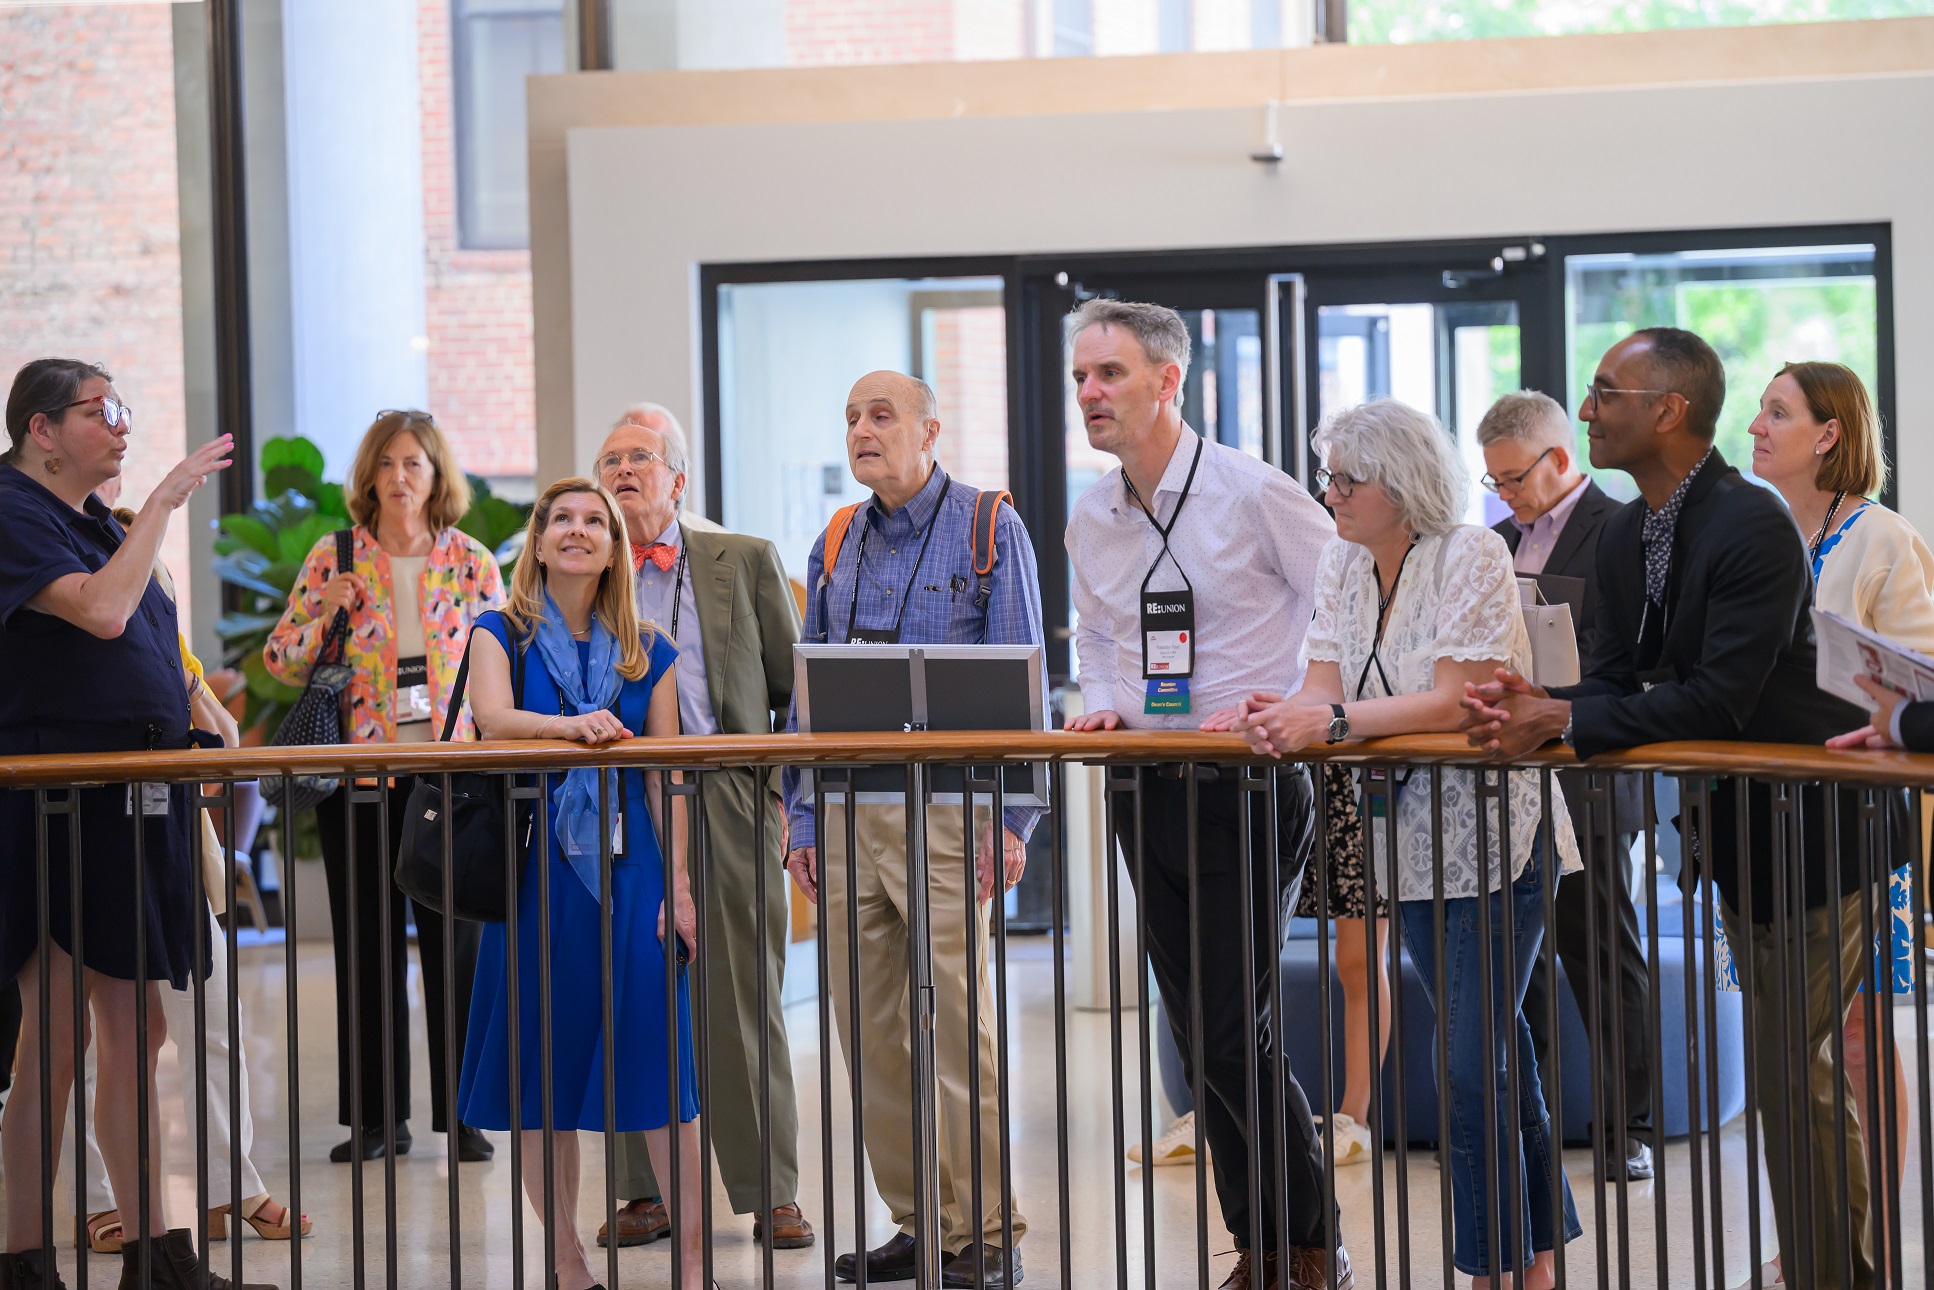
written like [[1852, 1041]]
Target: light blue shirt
[[655, 606]]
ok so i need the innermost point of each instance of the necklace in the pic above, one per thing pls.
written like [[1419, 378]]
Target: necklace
[[1813, 547]]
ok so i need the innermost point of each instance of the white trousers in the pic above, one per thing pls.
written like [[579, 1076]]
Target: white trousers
[[178, 1006]]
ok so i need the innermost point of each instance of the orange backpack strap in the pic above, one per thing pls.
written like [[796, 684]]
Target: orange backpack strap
[[987, 510], [836, 537]]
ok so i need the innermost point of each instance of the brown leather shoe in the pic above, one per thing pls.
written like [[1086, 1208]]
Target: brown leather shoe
[[639, 1223], [790, 1230], [1308, 1268], [1247, 1276]]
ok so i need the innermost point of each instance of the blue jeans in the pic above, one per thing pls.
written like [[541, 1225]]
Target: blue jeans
[[1529, 1223]]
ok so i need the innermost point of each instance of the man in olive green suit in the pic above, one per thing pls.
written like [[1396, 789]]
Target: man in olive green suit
[[725, 601]]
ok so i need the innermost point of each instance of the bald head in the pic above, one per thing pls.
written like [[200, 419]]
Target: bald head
[[892, 423]]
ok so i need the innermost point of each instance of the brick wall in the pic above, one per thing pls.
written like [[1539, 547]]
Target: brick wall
[[969, 378], [822, 32], [90, 240], [477, 304]]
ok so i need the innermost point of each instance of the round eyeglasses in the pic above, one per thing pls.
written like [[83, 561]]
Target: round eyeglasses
[[1327, 479], [637, 458], [113, 411]]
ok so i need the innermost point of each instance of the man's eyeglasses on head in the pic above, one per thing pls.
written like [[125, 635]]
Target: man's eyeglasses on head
[[1593, 393], [1498, 483], [638, 458], [115, 412], [1327, 479]]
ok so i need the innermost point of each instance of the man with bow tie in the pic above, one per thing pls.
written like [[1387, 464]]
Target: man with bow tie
[[724, 600]]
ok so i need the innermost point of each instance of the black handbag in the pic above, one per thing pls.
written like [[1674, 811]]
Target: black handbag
[[479, 821], [316, 717]]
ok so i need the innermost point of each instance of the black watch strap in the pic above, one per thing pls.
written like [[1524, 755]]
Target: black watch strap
[[1339, 720]]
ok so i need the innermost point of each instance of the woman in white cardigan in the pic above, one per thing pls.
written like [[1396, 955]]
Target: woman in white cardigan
[[1816, 439]]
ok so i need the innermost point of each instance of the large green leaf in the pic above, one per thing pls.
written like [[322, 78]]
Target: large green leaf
[[233, 627], [291, 479], [248, 570], [299, 539], [329, 501], [238, 531], [292, 451], [492, 520]]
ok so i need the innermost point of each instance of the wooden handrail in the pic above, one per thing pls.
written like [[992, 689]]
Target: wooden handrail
[[1767, 761]]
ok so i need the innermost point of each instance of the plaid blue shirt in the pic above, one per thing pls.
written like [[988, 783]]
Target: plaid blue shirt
[[939, 603]]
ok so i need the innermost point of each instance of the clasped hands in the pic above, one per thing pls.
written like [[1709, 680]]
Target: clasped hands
[[1505, 718]]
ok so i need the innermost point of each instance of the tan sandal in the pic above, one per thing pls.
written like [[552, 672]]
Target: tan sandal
[[103, 1232], [218, 1222]]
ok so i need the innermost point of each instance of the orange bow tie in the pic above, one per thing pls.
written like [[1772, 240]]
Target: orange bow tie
[[658, 553]]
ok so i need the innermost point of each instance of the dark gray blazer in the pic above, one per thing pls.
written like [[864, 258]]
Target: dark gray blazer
[[1576, 556]]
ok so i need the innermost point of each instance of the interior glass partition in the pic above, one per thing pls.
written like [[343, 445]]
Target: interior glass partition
[[788, 354]]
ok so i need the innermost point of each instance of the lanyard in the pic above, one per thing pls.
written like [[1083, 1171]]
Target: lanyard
[[859, 563], [1164, 530], [1383, 616], [678, 592]]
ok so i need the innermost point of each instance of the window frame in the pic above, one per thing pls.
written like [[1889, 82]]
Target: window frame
[[462, 124]]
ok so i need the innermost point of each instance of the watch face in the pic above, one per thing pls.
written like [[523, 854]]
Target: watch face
[[1339, 729]]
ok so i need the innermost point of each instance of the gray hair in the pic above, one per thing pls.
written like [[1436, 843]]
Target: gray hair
[[1407, 452], [671, 437], [1163, 336], [1526, 416]]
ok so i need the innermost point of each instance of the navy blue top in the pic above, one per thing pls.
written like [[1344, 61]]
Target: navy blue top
[[67, 689]]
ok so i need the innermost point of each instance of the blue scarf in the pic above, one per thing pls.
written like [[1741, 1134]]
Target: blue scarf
[[574, 803]]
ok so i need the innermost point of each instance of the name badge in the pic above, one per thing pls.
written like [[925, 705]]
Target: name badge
[[873, 636], [413, 690], [1168, 634], [154, 800], [1167, 696]]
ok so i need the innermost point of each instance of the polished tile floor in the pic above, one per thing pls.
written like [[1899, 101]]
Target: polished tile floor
[[491, 1210]]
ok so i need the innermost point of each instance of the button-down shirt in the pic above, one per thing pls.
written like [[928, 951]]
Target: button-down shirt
[[938, 601], [1539, 538], [655, 586], [1249, 539], [1656, 534]]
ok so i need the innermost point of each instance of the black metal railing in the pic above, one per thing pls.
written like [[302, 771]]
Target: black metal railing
[[1739, 1175]]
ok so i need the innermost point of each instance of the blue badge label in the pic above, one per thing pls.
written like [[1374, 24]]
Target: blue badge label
[[1167, 696]]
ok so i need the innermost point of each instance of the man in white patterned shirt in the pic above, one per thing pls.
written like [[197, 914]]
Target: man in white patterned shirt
[[1194, 582]]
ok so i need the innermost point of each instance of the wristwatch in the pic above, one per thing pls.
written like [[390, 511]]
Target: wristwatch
[[1565, 735], [1339, 725]]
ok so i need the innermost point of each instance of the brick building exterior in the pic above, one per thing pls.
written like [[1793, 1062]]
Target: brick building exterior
[[90, 238]]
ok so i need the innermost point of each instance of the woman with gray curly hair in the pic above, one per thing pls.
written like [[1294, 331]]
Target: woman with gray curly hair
[[1411, 604]]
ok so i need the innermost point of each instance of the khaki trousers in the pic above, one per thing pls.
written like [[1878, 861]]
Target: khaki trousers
[[883, 1052], [1800, 1091]]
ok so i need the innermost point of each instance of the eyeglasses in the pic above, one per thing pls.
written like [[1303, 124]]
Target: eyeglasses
[[639, 458], [410, 415], [1498, 483], [113, 411], [1328, 479], [1593, 393]]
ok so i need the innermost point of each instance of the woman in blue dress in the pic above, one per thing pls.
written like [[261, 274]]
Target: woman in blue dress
[[590, 674]]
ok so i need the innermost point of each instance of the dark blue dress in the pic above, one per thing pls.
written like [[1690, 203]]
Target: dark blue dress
[[66, 690], [577, 1001]]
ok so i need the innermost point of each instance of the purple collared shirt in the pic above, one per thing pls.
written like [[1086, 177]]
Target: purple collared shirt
[[1539, 538]]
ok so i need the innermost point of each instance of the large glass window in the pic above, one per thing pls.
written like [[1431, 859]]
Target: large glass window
[[1400, 21], [496, 45], [789, 353], [1759, 308]]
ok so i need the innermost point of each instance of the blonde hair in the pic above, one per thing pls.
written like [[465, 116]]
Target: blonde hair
[[449, 496], [1857, 461], [615, 604]]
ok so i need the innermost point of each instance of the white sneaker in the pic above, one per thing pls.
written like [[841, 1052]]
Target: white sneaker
[[1352, 1140], [1176, 1146]]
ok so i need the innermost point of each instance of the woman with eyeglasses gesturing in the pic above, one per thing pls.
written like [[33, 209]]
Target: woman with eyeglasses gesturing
[[415, 585], [1410, 605], [90, 648]]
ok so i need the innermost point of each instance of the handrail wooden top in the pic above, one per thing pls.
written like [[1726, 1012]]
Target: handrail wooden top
[[1768, 761]]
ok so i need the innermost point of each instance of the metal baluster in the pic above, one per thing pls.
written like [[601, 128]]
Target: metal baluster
[[1487, 1017], [1000, 1031], [1924, 1075], [1597, 881], [391, 904], [700, 981], [547, 1109], [759, 928], [515, 1041], [674, 1103], [1143, 1016], [1743, 968], [1789, 971], [77, 961], [829, 1219], [1278, 1002], [1655, 1041], [1513, 1123], [854, 1055], [1551, 1071], [1697, 1124], [971, 890], [1400, 1112], [1116, 785], [451, 1058], [291, 1023], [921, 1022], [358, 1273], [232, 932], [1447, 1214], [1695, 804], [44, 921], [1192, 822], [1058, 862], [608, 1026], [144, 1157], [1326, 1078], [1381, 790], [1841, 1179], [1251, 1076], [1885, 1058]]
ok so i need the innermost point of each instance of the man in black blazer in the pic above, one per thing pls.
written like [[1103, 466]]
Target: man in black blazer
[[1704, 632], [1556, 515]]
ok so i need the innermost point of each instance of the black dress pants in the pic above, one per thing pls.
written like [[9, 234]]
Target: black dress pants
[[377, 897], [1621, 982], [1227, 980]]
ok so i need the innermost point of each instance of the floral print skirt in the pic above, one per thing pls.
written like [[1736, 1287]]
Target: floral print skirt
[[1343, 843]]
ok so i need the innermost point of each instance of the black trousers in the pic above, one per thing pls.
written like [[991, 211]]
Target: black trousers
[[9, 1030], [377, 897], [1620, 979], [1227, 980]]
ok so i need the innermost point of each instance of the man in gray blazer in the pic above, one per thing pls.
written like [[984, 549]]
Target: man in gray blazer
[[1556, 514], [725, 601]]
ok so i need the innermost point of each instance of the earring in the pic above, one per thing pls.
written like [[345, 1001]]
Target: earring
[[51, 465]]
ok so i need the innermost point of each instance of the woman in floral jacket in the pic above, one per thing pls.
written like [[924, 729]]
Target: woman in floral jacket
[[406, 495]]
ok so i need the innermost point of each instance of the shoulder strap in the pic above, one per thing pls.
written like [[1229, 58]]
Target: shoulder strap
[[463, 676], [336, 639], [980, 541], [836, 536]]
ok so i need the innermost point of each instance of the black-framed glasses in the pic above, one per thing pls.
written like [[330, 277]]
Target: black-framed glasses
[[412, 415], [1595, 392], [113, 411], [1498, 483], [1327, 479], [638, 458]]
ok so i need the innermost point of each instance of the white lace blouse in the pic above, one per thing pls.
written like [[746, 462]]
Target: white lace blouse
[[1457, 599]]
